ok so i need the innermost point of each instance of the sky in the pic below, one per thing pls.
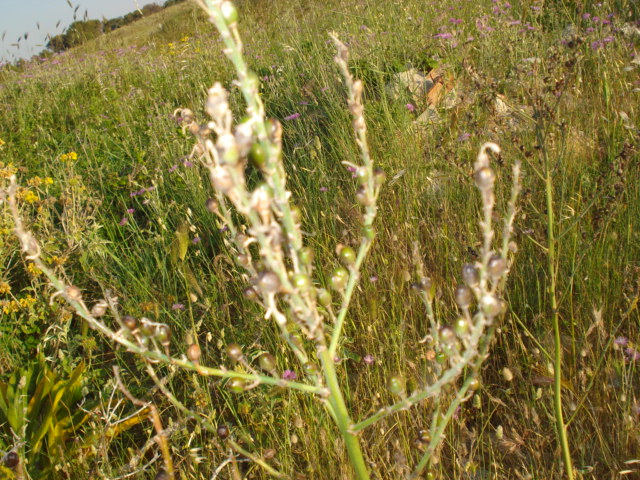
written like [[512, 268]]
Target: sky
[[18, 17]]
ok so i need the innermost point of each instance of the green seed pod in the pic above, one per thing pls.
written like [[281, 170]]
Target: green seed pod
[[243, 260], [257, 156], [301, 281], [234, 351], [474, 384], [194, 353], [347, 256], [496, 267], [368, 232], [147, 329], [362, 175], [163, 335], [269, 282], [296, 339], [461, 327], [296, 214], [396, 384], [324, 297], [485, 178], [236, 384], [441, 357], [229, 12], [430, 476], [267, 362], [338, 278], [463, 296], [310, 369], [363, 197], [306, 255], [470, 275], [223, 431]]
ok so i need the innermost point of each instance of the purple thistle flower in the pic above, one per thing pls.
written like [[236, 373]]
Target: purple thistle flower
[[368, 359], [410, 107], [123, 221], [323, 189], [293, 116], [464, 136], [196, 240], [455, 21], [621, 341], [177, 306], [443, 36], [173, 168], [289, 375], [131, 210]]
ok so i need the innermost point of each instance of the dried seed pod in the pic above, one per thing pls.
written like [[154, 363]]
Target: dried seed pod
[[73, 293], [223, 431], [250, 293], [296, 214], [447, 335], [463, 296], [11, 460], [221, 179], [194, 353], [228, 149], [310, 369], [234, 351], [423, 436], [490, 305], [212, 205], [363, 197], [269, 282], [99, 309], [130, 323], [496, 267], [485, 178], [470, 275]]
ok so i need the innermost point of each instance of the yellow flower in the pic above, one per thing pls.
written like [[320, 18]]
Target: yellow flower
[[184, 39], [5, 288], [33, 270], [2, 143], [34, 182], [27, 301], [48, 181], [69, 156], [7, 171], [10, 307], [28, 196]]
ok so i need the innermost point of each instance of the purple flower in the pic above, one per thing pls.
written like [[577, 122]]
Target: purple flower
[[621, 341], [464, 136], [410, 107], [173, 168], [187, 163], [123, 221], [633, 354], [177, 306], [289, 375], [455, 21], [373, 278], [323, 189], [293, 116], [131, 210], [443, 36], [324, 89], [368, 359], [586, 16], [196, 240], [597, 45], [608, 39]]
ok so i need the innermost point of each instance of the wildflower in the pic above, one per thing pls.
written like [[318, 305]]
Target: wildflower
[[410, 107], [196, 240], [2, 143], [293, 116], [177, 306], [123, 221], [323, 189], [373, 278], [455, 21], [173, 168], [33, 270], [131, 210], [65, 157], [368, 359], [621, 341], [586, 16], [633, 354], [289, 375], [443, 36], [464, 136], [5, 288]]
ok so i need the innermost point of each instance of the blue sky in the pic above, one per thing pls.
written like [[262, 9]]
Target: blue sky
[[20, 16]]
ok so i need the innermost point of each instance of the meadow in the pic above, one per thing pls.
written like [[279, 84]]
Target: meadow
[[97, 139]]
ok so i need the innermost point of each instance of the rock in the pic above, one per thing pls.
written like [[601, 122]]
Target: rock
[[630, 30], [413, 81]]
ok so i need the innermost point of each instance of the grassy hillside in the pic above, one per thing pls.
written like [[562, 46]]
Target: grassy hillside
[[95, 141]]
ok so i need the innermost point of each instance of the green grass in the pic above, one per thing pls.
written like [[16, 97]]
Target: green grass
[[112, 102]]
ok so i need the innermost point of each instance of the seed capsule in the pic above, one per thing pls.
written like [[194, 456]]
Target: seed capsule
[[11, 460], [362, 175], [221, 179], [99, 309], [223, 431], [470, 275], [491, 305], [441, 357], [306, 255], [496, 267], [339, 278], [250, 294], [267, 362], [296, 214], [423, 436], [447, 335], [130, 323], [147, 329], [463, 296], [73, 293], [461, 327], [363, 197], [212, 205], [257, 156], [163, 335], [194, 353], [234, 351], [236, 385], [474, 384], [347, 256], [269, 282], [324, 297], [379, 176], [310, 369], [368, 232], [396, 384], [301, 281], [485, 178]]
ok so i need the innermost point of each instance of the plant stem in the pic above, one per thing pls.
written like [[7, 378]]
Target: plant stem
[[561, 429], [341, 416]]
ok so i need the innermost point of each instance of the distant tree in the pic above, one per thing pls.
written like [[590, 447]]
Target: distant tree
[[168, 3], [112, 24], [150, 8], [81, 31], [57, 43]]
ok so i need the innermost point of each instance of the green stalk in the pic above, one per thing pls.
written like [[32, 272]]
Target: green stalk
[[341, 417], [561, 429]]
